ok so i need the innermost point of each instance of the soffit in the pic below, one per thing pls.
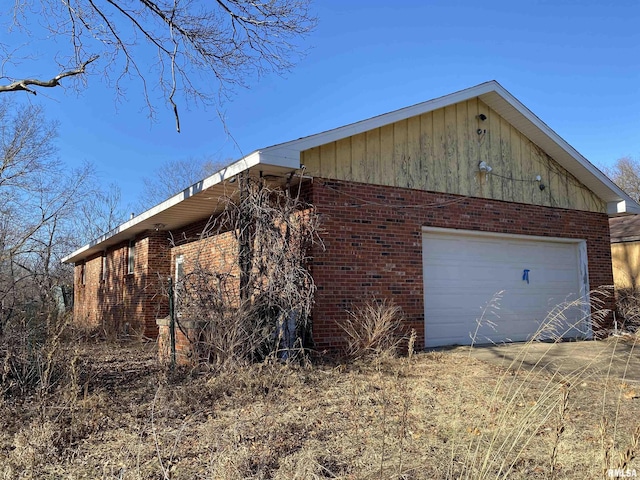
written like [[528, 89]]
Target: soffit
[[189, 206]]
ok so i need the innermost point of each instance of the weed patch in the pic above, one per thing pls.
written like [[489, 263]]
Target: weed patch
[[447, 414]]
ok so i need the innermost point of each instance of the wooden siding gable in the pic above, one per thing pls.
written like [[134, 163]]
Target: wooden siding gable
[[440, 151]]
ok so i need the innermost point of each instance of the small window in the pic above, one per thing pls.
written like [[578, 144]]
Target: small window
[[179, 268], [83, 274], [178, 288], [132, 256], [103, 275]]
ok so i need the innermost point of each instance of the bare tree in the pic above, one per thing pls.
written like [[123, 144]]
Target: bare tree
[[173, 176], [26, 160], [625, 173], [39, 202], [100, 211], [188, 50]]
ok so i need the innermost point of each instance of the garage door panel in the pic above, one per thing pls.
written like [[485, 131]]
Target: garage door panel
[[482, 334], [451, 293], [463, 273], [503, 328]]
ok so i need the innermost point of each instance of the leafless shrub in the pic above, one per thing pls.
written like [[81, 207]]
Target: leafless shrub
[[628, 309], [33, 354], [254, 299], [223, 330], [373, 329]]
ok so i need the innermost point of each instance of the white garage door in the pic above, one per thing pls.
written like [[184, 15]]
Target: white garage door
[[484, 288]]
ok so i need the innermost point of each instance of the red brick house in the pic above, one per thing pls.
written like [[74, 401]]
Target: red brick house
[[441, 206]]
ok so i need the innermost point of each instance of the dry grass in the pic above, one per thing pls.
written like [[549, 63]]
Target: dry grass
[[628, 309], [373, 329], [428, 416], [111, 412]]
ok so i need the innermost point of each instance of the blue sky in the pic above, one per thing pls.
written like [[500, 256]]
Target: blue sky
[[575, 64]]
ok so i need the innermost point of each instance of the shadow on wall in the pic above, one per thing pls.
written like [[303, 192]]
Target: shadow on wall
[[129, 305], [626, 265]]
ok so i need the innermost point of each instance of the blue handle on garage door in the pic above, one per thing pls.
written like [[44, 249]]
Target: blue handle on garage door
[[525, 275]]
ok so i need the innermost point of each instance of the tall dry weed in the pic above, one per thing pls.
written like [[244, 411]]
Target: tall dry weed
[[516, 422], [627, 310], [34, 355], [373, 329]]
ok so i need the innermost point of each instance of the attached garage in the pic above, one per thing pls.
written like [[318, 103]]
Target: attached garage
[[407, 202], [489, 288]]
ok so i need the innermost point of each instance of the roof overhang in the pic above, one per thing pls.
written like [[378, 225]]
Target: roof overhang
[[203, 198], [207, 196], [625, 229]]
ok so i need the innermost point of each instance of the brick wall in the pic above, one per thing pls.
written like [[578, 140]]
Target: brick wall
[[373, 241], [121, 302], [202, 253], [150, 293], [373, 244], [98, 301], [218, 253]]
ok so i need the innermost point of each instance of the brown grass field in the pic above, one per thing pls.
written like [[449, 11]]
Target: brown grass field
[[118, 414]]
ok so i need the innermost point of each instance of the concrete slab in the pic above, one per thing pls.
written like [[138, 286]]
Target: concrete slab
[[614, 357]]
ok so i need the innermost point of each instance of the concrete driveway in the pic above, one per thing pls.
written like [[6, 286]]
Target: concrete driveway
[[614, 357]]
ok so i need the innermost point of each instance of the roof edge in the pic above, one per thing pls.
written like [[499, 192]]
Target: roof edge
[[226, 173], [626, 203], [291, 149]]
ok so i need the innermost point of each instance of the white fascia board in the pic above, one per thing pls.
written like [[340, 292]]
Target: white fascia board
[[279, 157], [221, 175], [623, 207], [291, 150], [623, 201]]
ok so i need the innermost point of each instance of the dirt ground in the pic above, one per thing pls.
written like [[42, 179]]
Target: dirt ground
[[509, 412]]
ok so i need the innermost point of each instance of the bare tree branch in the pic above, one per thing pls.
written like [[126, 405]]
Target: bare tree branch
[[173, 176], [23, 85], [189, 51], [625, 173]]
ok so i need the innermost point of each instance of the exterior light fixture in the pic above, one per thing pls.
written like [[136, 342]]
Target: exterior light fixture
[[484, 168]]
